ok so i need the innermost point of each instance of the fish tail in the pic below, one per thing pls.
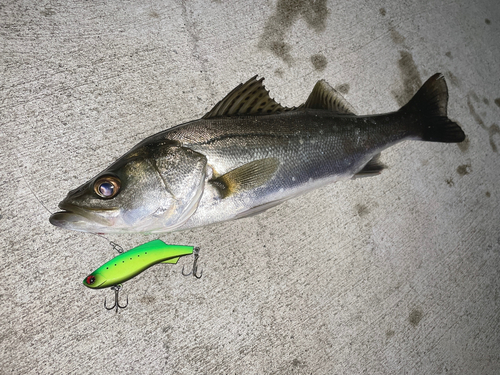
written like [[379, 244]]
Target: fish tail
[[429, 108]]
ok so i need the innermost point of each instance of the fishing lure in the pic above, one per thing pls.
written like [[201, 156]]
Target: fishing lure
[[131, 263]]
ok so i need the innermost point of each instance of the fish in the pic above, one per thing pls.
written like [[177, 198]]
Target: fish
[[129, 264], [246, 155]]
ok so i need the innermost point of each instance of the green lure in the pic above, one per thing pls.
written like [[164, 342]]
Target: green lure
[[131, 263]]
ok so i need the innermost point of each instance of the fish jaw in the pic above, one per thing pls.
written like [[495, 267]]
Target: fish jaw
[[84, 220]]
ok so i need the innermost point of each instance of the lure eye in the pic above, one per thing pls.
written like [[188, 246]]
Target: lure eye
[[107, 186], [90, 279]]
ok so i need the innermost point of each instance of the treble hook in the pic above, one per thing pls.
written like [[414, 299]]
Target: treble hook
[[117, 289], [194, 271]]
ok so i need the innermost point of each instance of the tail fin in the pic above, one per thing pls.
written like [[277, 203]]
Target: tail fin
[[429, 105]]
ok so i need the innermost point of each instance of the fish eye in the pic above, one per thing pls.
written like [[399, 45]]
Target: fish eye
[[90, 279], [107, 186]]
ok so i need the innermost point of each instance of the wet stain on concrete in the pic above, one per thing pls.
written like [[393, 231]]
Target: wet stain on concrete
[[154, 14], [488, 194], [47, 12], [497, 102], [298, 363], [464, 169], [464, 145], [343, 88], [389, 333], [410, 77], [148, 300], [453, 79], [487, 21], [493, 130], [415, 317], [319, 62], [396, 36], [362, 210], [486, 101], [287, 13], [382, 11], [408, 71], [448, 54]]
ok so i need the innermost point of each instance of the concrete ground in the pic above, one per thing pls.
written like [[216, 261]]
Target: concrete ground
[[387, 275]]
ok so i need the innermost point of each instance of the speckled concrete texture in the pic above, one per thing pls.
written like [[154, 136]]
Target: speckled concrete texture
[[387, 275]]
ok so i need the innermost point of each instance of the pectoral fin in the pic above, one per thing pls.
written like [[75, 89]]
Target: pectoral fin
[[246, 177]]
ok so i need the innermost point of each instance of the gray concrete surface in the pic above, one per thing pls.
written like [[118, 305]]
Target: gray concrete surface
[[389, 275]]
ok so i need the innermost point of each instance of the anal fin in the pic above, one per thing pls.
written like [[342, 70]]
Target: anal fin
[[373, 168]]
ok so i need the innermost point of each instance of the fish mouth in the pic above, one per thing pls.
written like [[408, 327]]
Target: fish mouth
[[80, 219]]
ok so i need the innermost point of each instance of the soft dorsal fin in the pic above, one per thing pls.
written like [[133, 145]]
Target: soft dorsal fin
[[250, 98], [324, 96]]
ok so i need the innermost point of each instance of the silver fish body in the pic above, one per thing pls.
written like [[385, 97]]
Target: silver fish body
[[246, 155]]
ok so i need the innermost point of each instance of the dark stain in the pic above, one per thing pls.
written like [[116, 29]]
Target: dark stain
[[47, 12], [448, 54], [464, 169], [497, 102], [362, 210], [486, 101], [492, 130], [382, 11], [410, 77], [298, 363], [415, 317], [488, 194], [344, 88], [314, 12], [453, 79], [450, 182], [474, 96], [474, 114], [396, 36], [148, 299], [154, 14], [279, 72], [464, 145], [389, 333], [282, 50], [319, 62], [487, 21]]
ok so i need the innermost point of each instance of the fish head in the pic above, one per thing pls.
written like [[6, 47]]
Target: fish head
[[153, 188]]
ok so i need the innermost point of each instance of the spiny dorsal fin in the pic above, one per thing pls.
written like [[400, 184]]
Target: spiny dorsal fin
[[246, 177], [324, 96], [373, 168], [250, 98]]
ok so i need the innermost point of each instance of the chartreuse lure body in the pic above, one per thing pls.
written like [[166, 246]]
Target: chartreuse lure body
[[131, 263]]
